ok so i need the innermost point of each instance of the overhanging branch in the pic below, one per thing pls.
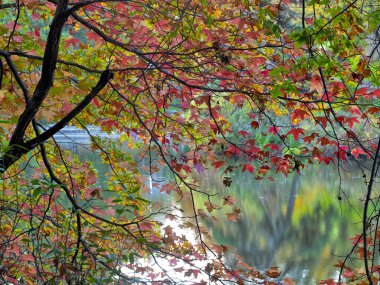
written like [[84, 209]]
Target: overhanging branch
[[104, 79], [47, 73], [16, 150]]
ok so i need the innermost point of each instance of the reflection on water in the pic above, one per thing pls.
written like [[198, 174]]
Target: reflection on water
[[296, 223]]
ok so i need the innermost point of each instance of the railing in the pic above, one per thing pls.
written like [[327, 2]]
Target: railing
[[73, 135]]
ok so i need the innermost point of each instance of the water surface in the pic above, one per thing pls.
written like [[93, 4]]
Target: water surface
[[297, 223]]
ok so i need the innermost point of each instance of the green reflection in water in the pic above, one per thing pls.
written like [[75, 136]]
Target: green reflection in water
[[296, 223]]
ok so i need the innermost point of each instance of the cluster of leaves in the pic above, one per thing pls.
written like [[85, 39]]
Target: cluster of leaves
[[160, 74]]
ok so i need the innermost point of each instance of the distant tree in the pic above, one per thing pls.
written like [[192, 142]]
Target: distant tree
[[164, 75]]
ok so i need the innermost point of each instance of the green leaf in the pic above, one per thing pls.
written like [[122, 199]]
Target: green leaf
[[141, 240], [135, 189], [119, 211], [131, 258], [37, 191], [143, 200]]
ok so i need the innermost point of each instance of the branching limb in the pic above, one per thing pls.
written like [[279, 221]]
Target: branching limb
[[104, 79], [17, 150], [375, 167], [47, 73]]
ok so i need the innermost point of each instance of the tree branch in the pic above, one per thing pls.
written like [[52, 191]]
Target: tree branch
[[17, 150], [14, 70], [104, 79], [47, 73], [375, 167]]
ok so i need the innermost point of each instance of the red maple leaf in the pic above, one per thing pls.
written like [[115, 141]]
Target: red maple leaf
[[358, 151], [66, 107], [71, 42], [218, 164], [273, 130], [243, 133], [296, 132], [272, 146], [248, 167], [316, 84], [254, 124], [96, 102], [299, 114], [351, 121]]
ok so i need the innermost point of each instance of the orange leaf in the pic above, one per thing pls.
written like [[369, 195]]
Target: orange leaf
[[210, 206], [273, 272], [234, 215], [288, 281]]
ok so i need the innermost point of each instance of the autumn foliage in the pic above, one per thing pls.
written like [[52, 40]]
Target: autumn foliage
[[167, 78]]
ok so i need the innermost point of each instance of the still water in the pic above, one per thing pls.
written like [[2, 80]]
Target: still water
[[296, 223]]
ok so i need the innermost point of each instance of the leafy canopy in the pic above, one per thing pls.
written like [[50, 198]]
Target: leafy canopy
[[255, 86]]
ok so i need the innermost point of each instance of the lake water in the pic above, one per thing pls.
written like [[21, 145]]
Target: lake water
[[296, 223]]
